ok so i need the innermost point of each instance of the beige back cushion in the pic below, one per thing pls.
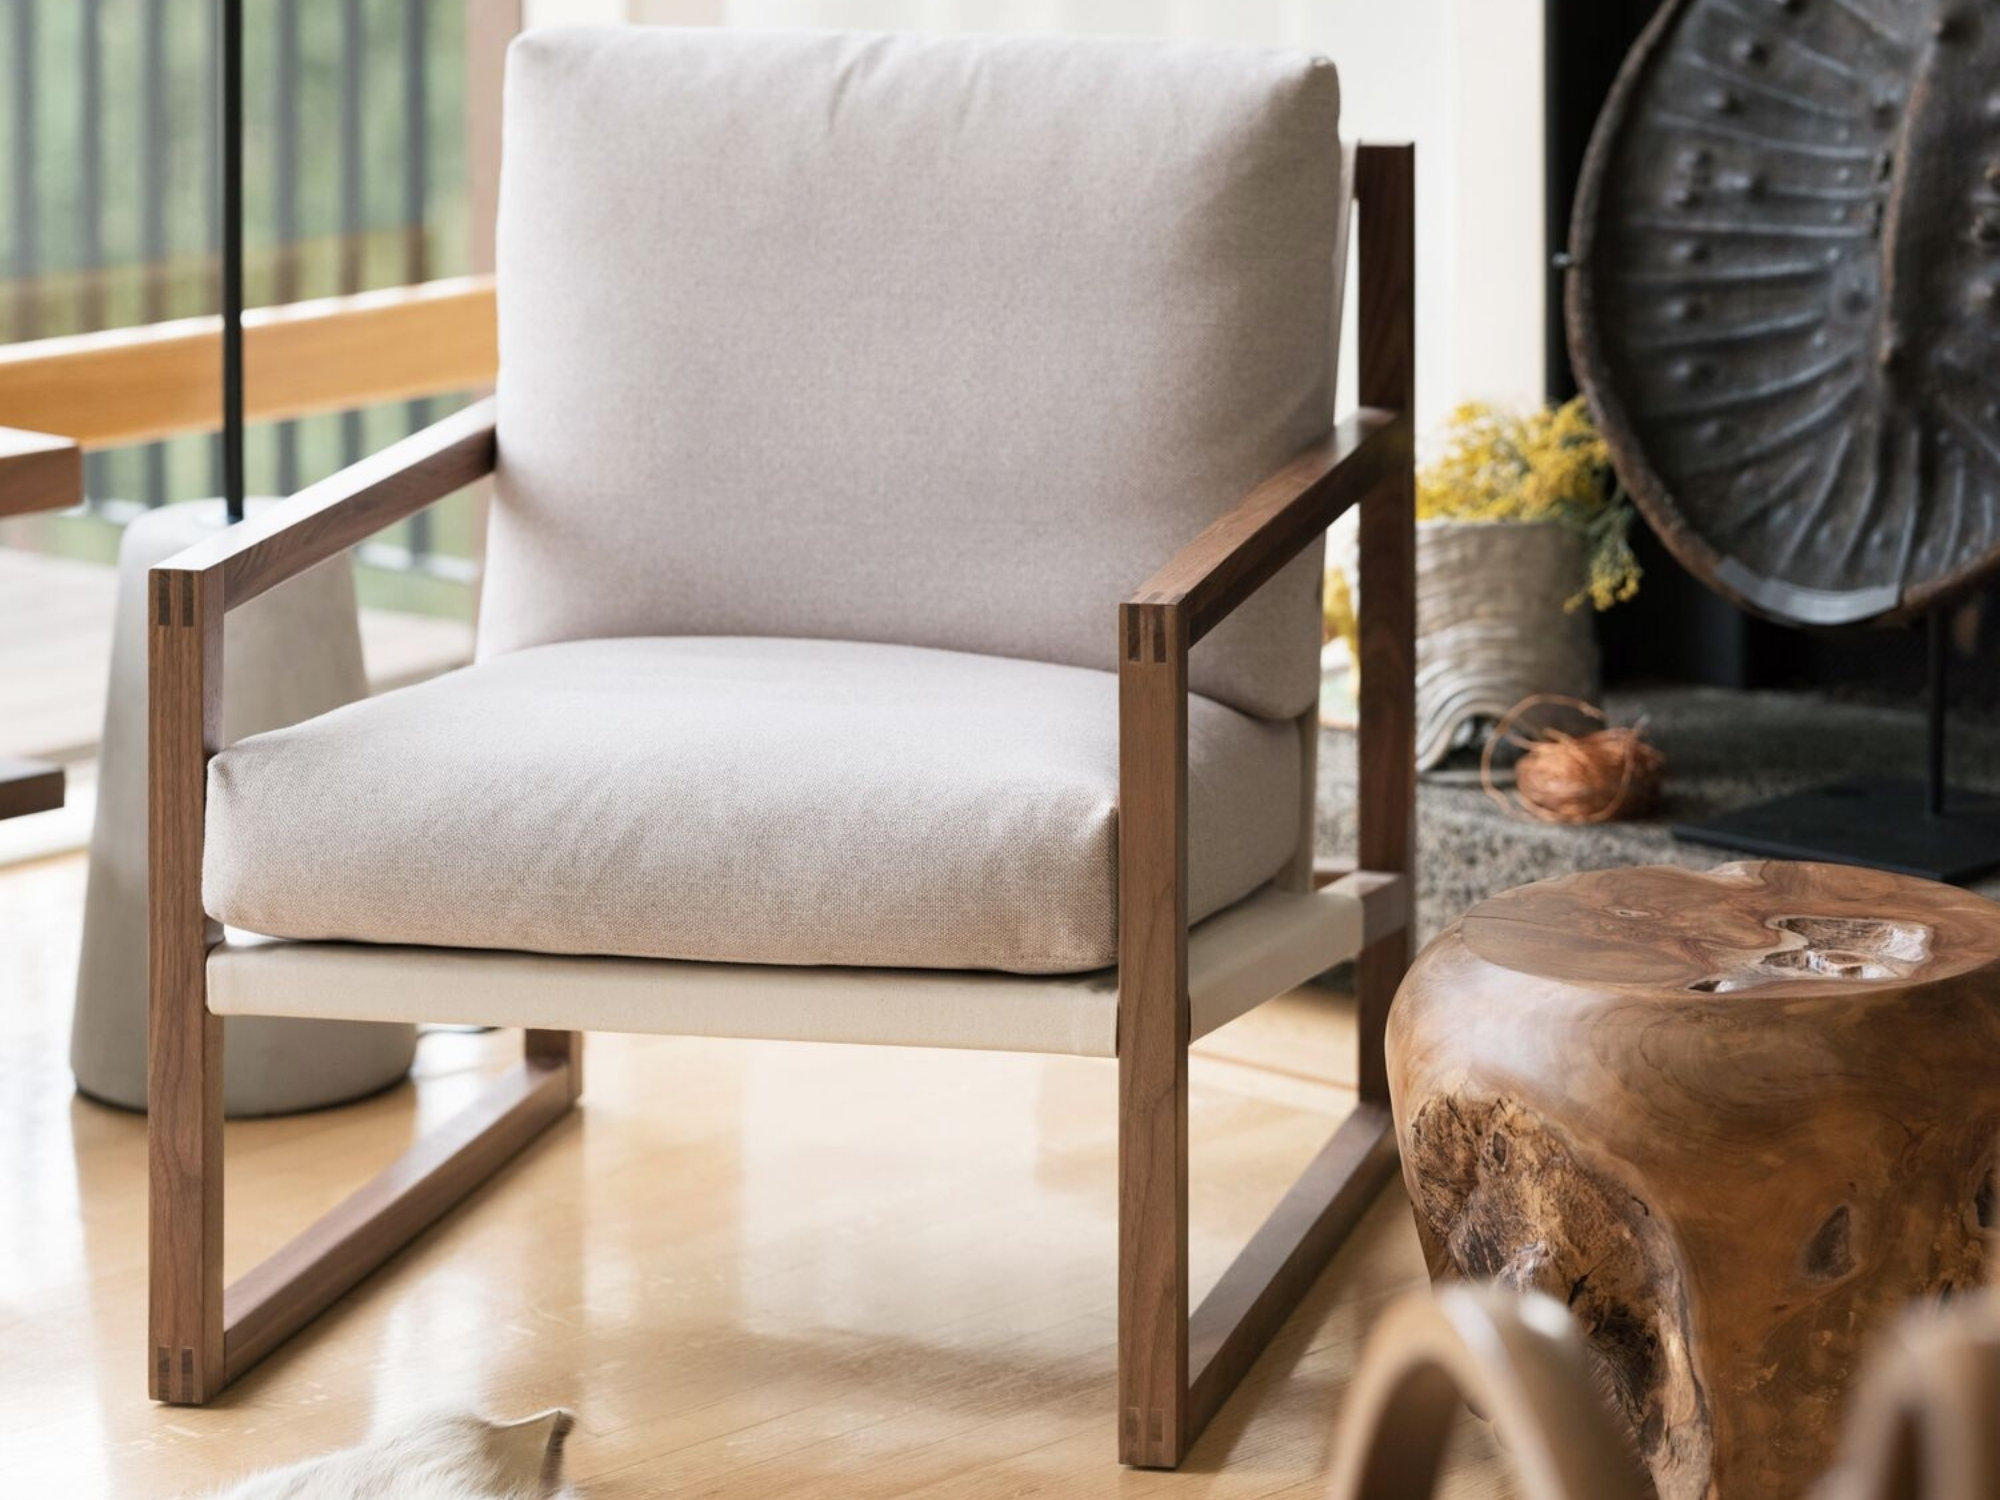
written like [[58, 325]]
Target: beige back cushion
[[939, 342]]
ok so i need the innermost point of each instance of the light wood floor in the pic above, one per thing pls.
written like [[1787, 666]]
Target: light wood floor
[[751, 1269]]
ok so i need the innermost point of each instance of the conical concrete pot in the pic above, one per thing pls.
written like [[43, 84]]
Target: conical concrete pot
[[289, 655]]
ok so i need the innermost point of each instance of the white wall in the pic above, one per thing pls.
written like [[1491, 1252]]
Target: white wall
[[1461, 78]]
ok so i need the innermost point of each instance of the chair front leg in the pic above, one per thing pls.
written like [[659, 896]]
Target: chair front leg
[[184, 1041], [201, 1334], [1155, 1423]]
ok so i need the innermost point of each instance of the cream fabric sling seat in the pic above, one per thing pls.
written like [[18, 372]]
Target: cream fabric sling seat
[[912, 459], [1237, 959]]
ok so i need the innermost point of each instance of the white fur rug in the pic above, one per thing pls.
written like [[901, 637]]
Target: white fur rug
[[442, 1456]]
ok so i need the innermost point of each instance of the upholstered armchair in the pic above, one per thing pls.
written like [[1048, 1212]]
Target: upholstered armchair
[[901, 625]]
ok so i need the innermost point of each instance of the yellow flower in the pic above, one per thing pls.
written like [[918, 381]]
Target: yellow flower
[[1337, 611], [1550, 465]]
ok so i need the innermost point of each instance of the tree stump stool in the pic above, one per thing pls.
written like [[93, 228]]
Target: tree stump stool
[[1734, 1120]]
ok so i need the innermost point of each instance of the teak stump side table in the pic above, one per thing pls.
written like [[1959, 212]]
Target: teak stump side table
[[1734, 1120]]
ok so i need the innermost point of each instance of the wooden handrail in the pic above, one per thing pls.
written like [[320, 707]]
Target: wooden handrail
[[133, 385]]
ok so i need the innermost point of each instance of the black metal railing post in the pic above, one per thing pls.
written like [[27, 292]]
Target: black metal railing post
[[231, 229], [416, 206], [285, 199], [92, 308], [24, 252], [154, 126], [352, 207]]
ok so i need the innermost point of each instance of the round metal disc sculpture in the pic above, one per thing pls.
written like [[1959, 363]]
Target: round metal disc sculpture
[[1785, 297]]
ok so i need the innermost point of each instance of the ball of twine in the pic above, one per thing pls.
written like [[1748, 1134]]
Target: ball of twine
[[1607, 774]]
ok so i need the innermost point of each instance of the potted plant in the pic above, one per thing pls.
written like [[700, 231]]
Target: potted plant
[[1522, 531]]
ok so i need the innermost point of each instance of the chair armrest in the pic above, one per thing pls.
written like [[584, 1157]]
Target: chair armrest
[[1240, 551], [38, 471], [327, 518]]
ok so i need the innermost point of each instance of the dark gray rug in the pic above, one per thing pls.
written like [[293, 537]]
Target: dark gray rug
[[1724, 749]]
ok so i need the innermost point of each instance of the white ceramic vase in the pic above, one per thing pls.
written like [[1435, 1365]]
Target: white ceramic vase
[[1492, 628]]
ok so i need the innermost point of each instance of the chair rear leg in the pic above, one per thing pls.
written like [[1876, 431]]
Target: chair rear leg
[[563, 1049], [1378, 972]]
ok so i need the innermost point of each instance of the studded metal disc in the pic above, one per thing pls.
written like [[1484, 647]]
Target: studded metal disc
[[1784, 300]]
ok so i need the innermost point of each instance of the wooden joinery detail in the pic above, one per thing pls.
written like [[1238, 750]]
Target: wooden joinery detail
[[1162, 1406], [1386, 906], [1161, 1410], [1153, 1425], [1386, 187], [202, 1337]]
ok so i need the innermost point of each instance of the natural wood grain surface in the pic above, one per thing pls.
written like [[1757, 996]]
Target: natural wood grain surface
[[201, 1339], [557, 1049], [184, 1041], [1243, 549], [347, 508], [1367, 461], [1386, 905], [737, 1262], [286, 1291], [38, 471], [1153, 1417], [1735, 1120], [131, 385], [1175, 1375], [1270, 1275], [1385, 189]]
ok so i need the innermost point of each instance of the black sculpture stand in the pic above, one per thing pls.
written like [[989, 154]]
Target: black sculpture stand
[[1911, 827]]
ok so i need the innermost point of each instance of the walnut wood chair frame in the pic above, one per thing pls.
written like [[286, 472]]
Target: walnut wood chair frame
[[1175, 1370]]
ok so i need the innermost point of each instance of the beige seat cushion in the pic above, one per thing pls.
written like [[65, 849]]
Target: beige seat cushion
[[940, 341], [736, 799]]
